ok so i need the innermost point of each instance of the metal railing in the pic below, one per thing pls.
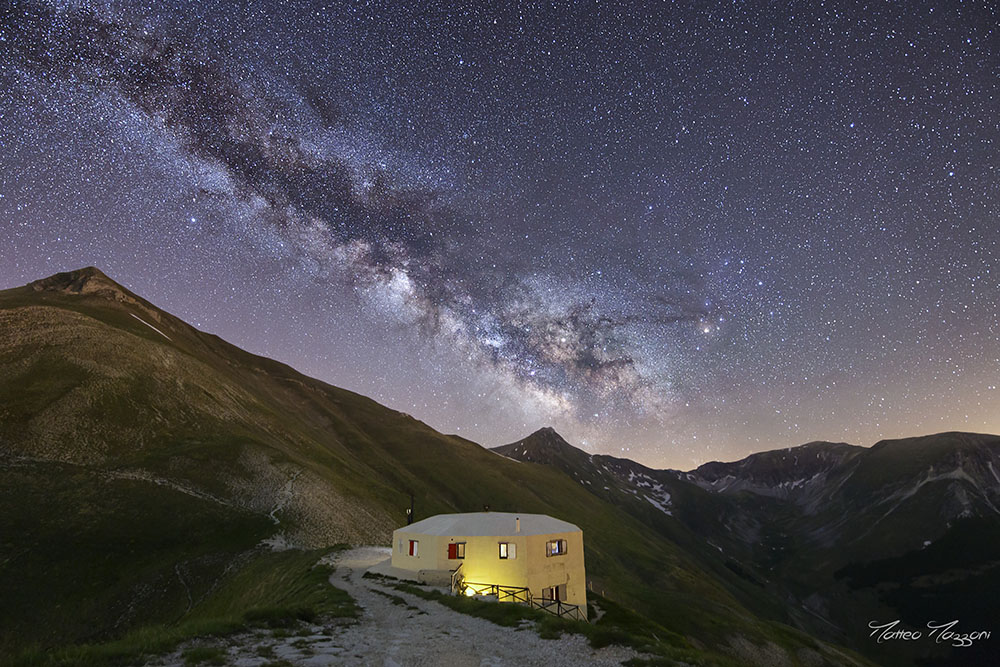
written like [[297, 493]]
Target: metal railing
[[500, 592], [518, 594], [457, 580], [559, 608]]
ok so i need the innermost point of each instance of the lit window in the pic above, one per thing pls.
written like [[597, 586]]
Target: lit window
[[555, 547], [456, 550], [413, 547], [508, 550]]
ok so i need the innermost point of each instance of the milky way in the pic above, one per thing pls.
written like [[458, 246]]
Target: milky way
[[672, 231]]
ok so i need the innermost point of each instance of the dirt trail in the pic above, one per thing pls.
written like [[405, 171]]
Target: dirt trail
[[417, 633]]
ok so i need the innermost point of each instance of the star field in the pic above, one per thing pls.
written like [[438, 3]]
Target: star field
[[672, 231]]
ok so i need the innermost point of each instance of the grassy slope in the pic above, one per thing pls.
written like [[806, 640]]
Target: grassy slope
[[71, 540], [700, 522], [880, 568], [859, 556], [89, 383], [276, 590], [862, 557]]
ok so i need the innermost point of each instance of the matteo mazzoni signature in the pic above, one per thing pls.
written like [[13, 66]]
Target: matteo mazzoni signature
[[941, 633]]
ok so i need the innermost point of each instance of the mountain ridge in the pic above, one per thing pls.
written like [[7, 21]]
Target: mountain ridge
[[835, 526], [110, 415], [545, 444], [164, 459]]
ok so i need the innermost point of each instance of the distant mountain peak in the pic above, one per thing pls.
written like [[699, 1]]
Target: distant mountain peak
[[778, 472], [548, 437], [87, 280], [543, 446], [90, 281], [549, 433]]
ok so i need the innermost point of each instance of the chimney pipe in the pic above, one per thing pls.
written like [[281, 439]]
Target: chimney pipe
[[409, 512], [517, 524]]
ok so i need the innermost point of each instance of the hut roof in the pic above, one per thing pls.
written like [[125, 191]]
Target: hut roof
[[474, 524]]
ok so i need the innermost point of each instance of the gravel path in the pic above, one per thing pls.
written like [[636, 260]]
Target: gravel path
[[419, 633]]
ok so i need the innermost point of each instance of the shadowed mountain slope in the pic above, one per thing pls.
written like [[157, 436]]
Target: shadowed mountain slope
[[839, 532], [146, 463]]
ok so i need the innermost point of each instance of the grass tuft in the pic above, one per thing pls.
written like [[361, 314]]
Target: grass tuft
[[618, 626], [197, 655], [275, 590]]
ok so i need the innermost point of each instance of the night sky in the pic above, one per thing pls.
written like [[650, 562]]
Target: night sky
[[673, 232]]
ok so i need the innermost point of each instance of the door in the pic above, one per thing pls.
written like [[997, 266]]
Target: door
[[555, 593]]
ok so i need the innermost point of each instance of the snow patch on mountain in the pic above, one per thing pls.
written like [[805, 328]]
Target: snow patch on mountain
[[662, 503]]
